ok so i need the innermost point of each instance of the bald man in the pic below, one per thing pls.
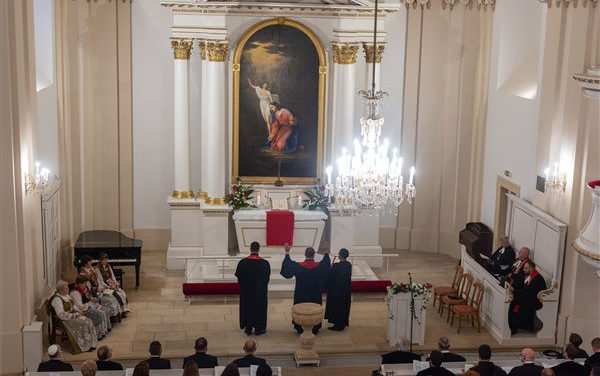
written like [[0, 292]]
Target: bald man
[[529, 368], [249, 359], [516, 275]]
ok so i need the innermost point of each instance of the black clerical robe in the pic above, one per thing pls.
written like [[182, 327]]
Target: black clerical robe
[[502, 259], [517, 275], [527, 369], [310, 278], [521, 312], [339, 291], [253, 274]]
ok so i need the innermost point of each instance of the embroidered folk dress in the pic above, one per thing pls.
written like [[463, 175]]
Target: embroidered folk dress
[[106, 299], [100, 318], [80, 330], [107, 280]]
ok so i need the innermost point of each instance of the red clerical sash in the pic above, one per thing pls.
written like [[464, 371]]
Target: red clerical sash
[[280, 227]]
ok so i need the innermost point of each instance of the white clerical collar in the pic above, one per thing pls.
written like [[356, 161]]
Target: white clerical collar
[[528, 362], [445, 351]]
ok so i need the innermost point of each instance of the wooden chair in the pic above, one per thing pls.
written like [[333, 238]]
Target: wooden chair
[[464, 293], [440, 291], [471, 310]]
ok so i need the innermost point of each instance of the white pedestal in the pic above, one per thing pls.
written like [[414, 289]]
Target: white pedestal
[[399, 321], [32, 346], [216, 228]]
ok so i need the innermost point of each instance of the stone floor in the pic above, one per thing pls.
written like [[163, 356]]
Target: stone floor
[[160, 312]]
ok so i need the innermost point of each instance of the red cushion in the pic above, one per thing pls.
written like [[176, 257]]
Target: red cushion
[[444, 290], [463, 309], [371, 286]]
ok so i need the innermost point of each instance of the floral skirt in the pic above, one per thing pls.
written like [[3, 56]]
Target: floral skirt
[[111, 304], [100, 319], [81, 333]]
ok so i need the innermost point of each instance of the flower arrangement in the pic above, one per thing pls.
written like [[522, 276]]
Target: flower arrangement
[[418, 290], [316, 198], [239, 197]]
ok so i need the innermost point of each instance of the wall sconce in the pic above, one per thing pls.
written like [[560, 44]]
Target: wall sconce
[[35, 184], [559, 180]]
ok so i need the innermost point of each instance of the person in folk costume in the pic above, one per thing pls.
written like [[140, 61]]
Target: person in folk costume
[[105, 296], [339, 292], [86, 303], [310, 279], [253, 274], [106, 278], [521, 312], [80, 329]]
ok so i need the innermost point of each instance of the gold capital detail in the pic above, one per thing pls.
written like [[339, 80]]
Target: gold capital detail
[[183, 194], [202, 49], [181, 48], [368, 50], [344, 53], [217, 50]]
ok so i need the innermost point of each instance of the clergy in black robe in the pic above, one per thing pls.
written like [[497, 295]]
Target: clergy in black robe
[[310, 279], [253, 275], [502, 258], [339, 292], [521, 312], [516, 275]]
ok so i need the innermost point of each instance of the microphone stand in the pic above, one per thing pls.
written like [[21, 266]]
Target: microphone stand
[[412, 310]]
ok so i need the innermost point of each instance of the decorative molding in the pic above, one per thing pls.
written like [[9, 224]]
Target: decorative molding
[[451, 3], [567, 3], [181, 48], [544, 293], [368, 50], [217, 50], [202, 49], [344, 53]]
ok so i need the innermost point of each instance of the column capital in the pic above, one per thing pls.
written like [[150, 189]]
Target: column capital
[[217, 50], [202, 49], [369, 52], [181, 48], [344, 53]]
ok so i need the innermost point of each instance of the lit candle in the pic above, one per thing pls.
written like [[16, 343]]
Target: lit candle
[[412, 174], [555, 171], [299, 200], [258, 200], [37, 168], [328, 172], [547, 173]]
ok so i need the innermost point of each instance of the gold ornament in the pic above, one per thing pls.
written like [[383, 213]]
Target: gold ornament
[[344, 53], [202, 48], [181, 48], [217, 50], [183, 194], [368, 50]]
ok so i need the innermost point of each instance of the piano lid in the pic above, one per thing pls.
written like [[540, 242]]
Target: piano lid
[[106, 239]]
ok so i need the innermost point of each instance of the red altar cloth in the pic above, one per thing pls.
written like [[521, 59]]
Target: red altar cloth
[[280, 227]]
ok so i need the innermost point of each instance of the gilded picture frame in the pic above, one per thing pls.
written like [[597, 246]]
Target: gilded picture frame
[[316, 156]]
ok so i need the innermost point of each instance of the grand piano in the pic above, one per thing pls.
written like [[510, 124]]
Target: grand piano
[[121, 250]]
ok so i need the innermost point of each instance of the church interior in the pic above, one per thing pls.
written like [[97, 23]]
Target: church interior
[[329, 187]]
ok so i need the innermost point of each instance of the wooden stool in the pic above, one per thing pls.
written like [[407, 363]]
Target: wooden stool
[[307, 315]]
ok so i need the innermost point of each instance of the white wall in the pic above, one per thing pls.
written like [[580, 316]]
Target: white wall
[[152, 75], [512, 120]]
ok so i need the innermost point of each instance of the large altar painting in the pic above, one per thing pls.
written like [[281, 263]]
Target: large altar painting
[[279, 78]]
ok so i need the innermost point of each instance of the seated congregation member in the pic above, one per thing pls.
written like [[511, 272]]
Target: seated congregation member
[[249, 359], [231, 370], [54, 364], [547, 372], [485, 367], [521, 312], [89, 305], [106, 298], [202, 359], [88, 368], [106, 279], [594, 359], [435, 366], [339, 292], [402, 355], [569, 367], [447, 356], [141, 369], [310, 279], [529, 368], [502, 258], [576, 340], [264, 370], [80, 329], [104, 363], [155, 361], [190, 369]]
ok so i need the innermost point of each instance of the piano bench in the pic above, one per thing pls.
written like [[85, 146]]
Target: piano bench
[[119, 276]]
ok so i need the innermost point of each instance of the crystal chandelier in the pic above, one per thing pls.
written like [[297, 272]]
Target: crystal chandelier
[[368, 178]]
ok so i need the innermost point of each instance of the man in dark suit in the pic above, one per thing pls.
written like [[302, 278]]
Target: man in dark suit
[[435, 363], [54, 364], [529, 368], [402, 355], [155, 361], [202, 359], [502, 258], [485, 367], [104, 363], [447, 356], [249, 359], [569, 367], [594, 359]]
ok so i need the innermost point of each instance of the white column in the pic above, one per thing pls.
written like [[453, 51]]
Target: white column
[[344, 58], [214, 129], [368, 50], [181, 52]]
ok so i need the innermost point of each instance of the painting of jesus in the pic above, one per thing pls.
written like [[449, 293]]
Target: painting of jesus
[[278, 104]]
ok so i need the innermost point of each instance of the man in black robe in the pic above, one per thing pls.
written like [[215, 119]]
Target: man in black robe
[[521, 312], [516, 275], [253, 274], [339, 292], [502, 258], [310, 279]]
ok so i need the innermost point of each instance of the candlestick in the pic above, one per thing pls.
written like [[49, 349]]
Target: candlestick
[[299, 201]]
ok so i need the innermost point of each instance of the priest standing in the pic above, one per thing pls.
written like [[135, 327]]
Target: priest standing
[[310, 279], [253, 275], [339, 291]]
